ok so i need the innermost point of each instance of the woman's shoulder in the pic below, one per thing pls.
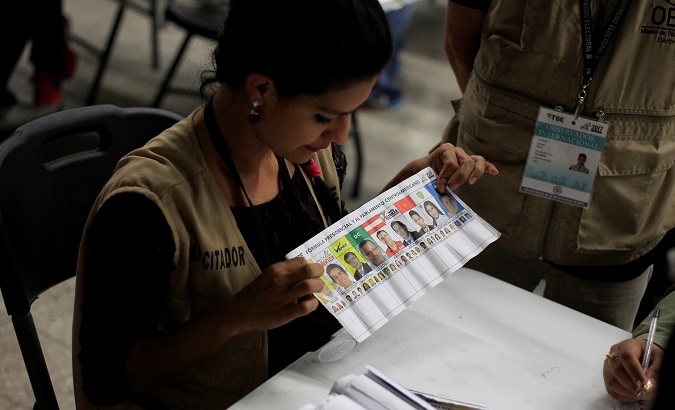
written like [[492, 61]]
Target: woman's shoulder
[[169, 159]]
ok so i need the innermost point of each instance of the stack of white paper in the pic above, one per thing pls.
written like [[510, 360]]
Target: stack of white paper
[[375, 391]]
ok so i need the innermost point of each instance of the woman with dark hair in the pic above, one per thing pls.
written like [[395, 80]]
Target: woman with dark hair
[[182, 281], [437, 216]]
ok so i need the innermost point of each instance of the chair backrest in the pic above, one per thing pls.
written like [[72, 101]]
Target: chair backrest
[[51, 171]]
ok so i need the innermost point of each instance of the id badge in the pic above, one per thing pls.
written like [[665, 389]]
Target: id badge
[[563, 158]]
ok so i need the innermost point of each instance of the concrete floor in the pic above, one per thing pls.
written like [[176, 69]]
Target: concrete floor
[[401, 134]]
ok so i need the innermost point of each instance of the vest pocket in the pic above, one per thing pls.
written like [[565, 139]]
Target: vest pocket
[[525, 26], [633, 200], [499, 127]]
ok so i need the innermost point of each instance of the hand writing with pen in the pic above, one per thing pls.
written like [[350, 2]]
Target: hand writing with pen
[[623, 374]]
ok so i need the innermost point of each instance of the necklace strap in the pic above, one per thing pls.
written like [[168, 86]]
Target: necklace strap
[[219, 143], [223, 151]]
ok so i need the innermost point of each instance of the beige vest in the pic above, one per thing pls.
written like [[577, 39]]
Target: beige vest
[[530, 55], [212, 263]]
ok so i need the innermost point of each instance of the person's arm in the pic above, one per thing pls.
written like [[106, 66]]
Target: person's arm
[[129, 259], [664, 325], [277, 296], [128, 293], [622, 372], [463, 27]]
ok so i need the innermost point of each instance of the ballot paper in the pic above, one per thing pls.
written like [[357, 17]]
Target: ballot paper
[[373, 390], [392, 250]]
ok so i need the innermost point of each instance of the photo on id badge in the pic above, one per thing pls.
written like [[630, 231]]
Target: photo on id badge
[[563, 159]]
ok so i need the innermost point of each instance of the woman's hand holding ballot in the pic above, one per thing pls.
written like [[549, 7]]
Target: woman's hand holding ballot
[[281, 293]]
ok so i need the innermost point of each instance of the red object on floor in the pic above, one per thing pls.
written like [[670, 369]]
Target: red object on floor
[[46, 89], [70, 62]]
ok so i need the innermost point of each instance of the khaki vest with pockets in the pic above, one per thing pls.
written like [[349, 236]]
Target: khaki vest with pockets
[[530, 56], [212, 262]]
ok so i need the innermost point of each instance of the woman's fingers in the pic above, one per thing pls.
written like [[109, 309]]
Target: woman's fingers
[[283, 292], [294, 278], [622, 370], [455, 167]]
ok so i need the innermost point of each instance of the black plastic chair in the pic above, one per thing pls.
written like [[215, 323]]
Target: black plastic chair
[[51, 171], [204, 20], [154, 9]]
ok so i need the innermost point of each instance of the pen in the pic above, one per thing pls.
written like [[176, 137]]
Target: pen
[[648, 349]]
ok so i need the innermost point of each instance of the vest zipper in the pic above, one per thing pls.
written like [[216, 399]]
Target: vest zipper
[[600, 113], [545, 230]]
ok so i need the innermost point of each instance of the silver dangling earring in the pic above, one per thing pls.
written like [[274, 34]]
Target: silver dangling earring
[[253, 117]]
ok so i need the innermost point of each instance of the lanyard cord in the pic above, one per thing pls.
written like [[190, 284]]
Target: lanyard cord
[[590, 52], [221, 148]]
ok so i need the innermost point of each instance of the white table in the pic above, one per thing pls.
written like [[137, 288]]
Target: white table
[[472, 338]]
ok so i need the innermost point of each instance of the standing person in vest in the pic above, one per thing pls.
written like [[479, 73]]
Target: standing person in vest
[[578, 76], [182, 281]]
